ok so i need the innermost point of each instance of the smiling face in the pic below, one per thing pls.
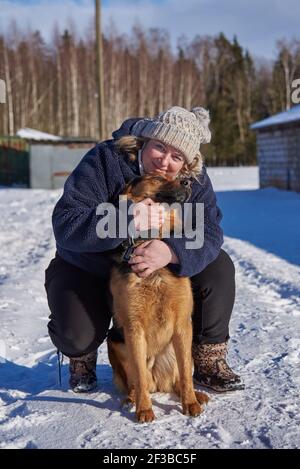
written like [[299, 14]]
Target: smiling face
[[162, 159]]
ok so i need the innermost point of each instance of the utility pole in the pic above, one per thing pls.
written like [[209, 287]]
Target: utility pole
[[99, 69]]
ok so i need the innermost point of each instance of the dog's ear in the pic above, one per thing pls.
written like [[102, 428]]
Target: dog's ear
[[127, 191], [135, 181]]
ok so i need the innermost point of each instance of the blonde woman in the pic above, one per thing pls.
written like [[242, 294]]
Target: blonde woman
[[77, 278]]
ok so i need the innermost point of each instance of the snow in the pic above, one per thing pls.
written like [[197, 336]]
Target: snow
[[262, 230], [33, 134], [285, 117]]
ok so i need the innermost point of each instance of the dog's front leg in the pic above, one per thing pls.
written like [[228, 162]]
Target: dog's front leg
[[137, 351], [182, 342]]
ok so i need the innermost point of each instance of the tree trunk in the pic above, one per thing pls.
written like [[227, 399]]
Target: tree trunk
[[10, 108]]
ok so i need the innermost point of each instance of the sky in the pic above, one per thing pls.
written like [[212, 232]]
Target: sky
[[258, 24]]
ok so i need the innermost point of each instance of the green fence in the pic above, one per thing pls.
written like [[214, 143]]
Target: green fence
[[14, 162]]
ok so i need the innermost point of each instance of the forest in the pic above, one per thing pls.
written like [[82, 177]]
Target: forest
[[51, 85]]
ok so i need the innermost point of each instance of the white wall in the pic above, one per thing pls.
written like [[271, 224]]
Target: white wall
[[51, 164]]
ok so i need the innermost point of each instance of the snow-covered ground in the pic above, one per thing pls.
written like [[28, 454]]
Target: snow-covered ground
[[263, 234]]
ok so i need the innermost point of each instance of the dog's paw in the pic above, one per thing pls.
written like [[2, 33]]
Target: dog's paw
[[145, 416], [201, 397], [128, 403], [193, 410]]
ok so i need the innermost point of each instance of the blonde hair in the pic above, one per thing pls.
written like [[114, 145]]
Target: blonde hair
[[130, 145]]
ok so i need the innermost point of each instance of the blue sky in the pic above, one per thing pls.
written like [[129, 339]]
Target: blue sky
[[257, 23]]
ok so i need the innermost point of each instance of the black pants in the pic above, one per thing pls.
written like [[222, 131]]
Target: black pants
[[80, 305]]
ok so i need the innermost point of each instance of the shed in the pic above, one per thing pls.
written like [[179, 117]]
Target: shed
[[38, 160], [278, 149]]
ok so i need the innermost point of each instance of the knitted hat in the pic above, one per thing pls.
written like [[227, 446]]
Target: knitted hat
[[184, 130]]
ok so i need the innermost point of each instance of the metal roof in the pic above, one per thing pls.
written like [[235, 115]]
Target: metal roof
[[33, 134], [292, 115], [36, 136]]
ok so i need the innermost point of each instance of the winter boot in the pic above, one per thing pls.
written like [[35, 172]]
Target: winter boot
[[83, 373], [211, 369]]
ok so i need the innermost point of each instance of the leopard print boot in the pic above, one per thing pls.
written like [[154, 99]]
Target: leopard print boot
[[83, 373], [212, 370]]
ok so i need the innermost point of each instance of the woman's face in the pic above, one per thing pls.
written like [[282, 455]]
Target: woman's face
[[162, 159]]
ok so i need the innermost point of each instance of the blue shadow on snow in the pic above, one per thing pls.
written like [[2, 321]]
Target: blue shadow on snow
[[267, 218]]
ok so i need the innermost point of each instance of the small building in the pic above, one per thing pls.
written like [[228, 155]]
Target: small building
[[39, 160], [278, 150]]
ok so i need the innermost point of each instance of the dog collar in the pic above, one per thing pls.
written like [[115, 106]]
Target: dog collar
[[131, 243], [129, 246]]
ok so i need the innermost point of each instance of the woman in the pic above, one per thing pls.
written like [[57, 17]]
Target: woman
[[77, 278]]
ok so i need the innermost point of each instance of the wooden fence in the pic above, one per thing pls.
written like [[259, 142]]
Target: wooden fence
[[14, 162]]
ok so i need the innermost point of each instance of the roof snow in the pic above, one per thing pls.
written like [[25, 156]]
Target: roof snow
[[32, 134], [292, 115]]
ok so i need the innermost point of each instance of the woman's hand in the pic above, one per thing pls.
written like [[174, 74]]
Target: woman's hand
[[148, 215], [150, 256]]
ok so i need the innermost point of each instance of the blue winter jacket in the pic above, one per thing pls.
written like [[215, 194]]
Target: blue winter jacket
[[101, 176]]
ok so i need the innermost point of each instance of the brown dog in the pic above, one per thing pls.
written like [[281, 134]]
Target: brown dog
[[155, 314]]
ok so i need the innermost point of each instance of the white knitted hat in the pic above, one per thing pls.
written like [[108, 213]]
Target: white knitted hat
[[184, 130]]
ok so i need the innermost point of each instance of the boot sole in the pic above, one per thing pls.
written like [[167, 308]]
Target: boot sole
[[238, 387], [86, 390]]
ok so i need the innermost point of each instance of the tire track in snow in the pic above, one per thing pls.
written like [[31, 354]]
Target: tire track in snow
[[266, 339], [284, 282]]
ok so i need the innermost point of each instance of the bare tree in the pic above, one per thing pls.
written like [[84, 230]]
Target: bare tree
[[10, 103], [289, 59]]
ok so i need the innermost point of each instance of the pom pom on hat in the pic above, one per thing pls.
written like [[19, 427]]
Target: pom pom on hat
[[204, 119]]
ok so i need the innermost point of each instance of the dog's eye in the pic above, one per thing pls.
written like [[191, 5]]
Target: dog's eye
[[186, 182]]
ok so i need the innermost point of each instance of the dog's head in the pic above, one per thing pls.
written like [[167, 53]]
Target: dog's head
[[158, 188], [161, 190], [164, 191]]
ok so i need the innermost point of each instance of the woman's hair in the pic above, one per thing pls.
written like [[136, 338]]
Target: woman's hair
[[130, 145]]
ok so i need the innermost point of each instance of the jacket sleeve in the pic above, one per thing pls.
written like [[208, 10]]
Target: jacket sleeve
[[74, 217], [193, 261]]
